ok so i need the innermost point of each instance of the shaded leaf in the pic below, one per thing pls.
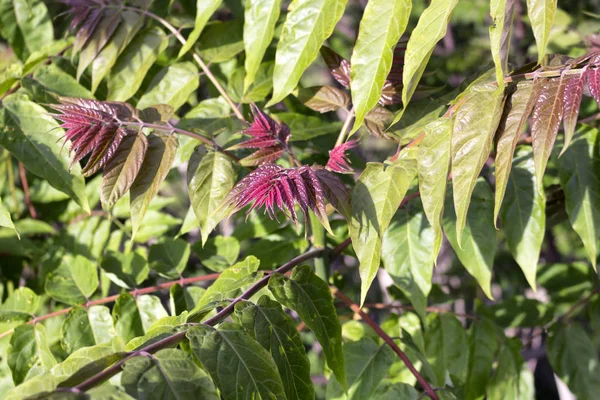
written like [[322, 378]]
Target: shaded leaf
[[323, 98], [366, 364], [445, 341], [121, 171], [218, 253], [29, 354], [375, 199], [126, 270], [307, 26], [168, 374], [479, 238], [248, 363], [433, 164], [221, 41], [338, 66], [26, 25], [335, 192], [572, 358], [74, 281], [517, 109], [382, 24], [309, 296], [579, 174], [277, 333], [506, 381], [169, 257], [158, 160], [524, 216], [407, 256], [482, 348]]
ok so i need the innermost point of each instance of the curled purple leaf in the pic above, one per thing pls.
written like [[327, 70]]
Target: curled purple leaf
[[338, 161]]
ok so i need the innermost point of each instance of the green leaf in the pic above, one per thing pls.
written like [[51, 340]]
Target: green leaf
[[230, 355], [258, 90], [482, 347], [44, 382], [20, 305], [309, 296], [153, 225], [547, 114], [168, 374], [5, 219], [74, 281], [128, 323], [407, 256], [572, 356], [260, 17], [158, 160], [366, 364], [308, 24], [274, 250], [230, 282], [169, 257], [58, 81], [506, 380], [277, 333], [218, 253], [29, 354], [173, 85], [126, 270], [121, 170], [479, 239], [395, 391], [305, 127], [211, 177], [130, 69], [524, 215], [26, 25], [433, 164], [429, 30], [579, 173], [323, 98], [445, 343], [31, 136], [131, 22], [221, 41], [381, 26], [204, 10], [501, 12], [541, 15], [519, 106], [375, 199], [84, 328], [475, 122]]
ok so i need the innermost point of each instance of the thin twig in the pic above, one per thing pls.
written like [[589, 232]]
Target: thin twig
[[179, 336], [110, 299], [345, 127], [26, 193], [196, 57], [388, 340], [382, 306]]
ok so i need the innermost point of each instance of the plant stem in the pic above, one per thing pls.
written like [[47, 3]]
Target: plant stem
[[388, 340], [544, 74], [179, 336], [26, 193], [345, 127], [171, 128], [196, 57]]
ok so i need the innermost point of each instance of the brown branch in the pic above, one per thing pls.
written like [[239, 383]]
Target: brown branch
[[179, 336], [110, 299], [388, 340], [26, 191]]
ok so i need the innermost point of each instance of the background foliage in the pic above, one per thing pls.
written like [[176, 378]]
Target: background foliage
[[428, 172]]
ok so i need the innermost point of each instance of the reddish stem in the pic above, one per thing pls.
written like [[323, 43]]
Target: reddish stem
[[26, 191]]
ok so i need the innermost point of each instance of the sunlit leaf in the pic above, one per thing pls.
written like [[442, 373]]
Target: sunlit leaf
[[482, 347], [29, 354], [375, 199], [204, 10], [541, 15], [445, 343], [501, 12], [382, 24], [308, 24], [172, 85]]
